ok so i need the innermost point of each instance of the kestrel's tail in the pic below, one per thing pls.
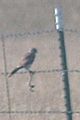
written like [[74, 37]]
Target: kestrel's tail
[[15, 70]]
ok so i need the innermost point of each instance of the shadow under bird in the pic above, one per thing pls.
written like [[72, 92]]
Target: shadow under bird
[[27, 61]]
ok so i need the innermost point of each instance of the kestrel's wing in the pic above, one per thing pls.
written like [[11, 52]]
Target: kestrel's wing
[[25, 59]]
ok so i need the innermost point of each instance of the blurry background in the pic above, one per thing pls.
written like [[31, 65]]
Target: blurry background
[[30, 23]]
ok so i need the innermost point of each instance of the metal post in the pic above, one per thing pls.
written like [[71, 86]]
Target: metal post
[[60, 30]]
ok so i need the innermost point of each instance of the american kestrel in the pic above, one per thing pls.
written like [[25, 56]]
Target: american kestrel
[[26, 62]]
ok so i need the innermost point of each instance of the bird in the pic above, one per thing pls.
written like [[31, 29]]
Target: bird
[[26, 63]]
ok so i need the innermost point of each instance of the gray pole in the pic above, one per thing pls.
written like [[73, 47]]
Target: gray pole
[[60, 30]]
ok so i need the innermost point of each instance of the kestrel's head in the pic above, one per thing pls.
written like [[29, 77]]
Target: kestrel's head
[[34, 50]]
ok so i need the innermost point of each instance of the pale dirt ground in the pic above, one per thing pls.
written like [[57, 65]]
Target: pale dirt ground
[[32, 16]]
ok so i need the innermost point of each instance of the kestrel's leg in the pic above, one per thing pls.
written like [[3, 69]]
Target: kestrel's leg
[[31, 78]]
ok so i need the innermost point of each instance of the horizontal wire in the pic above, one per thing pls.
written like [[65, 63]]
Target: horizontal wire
[[40, 112], [72, 30], [46, 71], [35, 33], [22, 34]]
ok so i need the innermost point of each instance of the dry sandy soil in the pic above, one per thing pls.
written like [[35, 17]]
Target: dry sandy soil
[[30, 23]]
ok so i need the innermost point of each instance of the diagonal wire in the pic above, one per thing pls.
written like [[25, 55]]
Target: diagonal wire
[[5, 69]]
